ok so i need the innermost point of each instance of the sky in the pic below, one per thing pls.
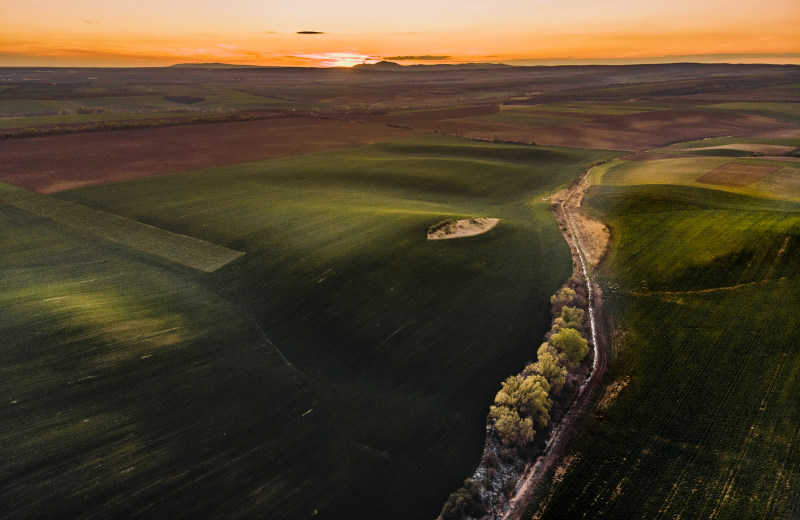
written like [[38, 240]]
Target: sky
[[348, 32]]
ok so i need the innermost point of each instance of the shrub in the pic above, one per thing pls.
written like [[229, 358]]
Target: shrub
[[466, 502]]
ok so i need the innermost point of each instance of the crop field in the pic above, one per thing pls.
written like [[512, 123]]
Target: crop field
[[763, 176], [89, 158], [786, 111], [636, 130], [700, 296], [325, 371], [156, 100], [181, 249]]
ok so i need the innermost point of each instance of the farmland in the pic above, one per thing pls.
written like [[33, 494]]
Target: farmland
[[232, 310], [700, 297], [320, 352]]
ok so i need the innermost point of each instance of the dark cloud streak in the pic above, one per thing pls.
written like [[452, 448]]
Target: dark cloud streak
[[310, 32]]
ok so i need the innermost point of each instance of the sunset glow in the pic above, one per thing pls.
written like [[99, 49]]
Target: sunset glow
[[315, 33]]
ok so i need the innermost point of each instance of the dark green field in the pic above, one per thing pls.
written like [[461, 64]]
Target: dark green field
[[700, 296], [341, 368]]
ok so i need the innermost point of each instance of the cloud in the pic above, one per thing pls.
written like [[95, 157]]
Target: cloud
[[310, 32], [425, 57]]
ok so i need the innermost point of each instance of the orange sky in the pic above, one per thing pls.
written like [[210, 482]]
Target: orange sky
[[266, 32]]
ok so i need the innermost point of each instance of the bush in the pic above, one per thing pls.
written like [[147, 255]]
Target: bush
[[490, 459], [466, 502]]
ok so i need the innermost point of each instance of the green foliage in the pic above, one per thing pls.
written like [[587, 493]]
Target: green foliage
[[571, 344], [571, 317], [464, 503], [549, 366], [521, 405], [512, 429], [563, 296], [528, 394]]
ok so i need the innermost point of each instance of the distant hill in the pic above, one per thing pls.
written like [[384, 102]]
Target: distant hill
[[214, 66], [383, 65]]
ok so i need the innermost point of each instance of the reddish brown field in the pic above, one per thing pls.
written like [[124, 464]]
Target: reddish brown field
[[626, 132], [735, 174], [59, 162]]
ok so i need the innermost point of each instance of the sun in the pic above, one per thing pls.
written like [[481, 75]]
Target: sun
[[338, 59]]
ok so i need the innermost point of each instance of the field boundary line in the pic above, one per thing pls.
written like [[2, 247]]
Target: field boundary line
[[712, 289], [182, 249]]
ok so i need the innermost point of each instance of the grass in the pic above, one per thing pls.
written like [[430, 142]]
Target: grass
[[700, 295], [344, 364]]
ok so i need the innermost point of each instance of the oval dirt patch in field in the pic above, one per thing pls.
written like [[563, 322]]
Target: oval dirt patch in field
[[462, 228]]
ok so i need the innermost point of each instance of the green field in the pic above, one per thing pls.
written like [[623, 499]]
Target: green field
[[700, 296], [342, 367]]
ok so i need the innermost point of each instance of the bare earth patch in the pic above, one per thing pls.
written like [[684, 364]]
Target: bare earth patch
[[593, 235], [736, 174], [462, 228], [58, 162]]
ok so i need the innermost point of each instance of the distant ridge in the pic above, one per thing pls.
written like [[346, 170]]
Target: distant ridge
[[215, 66], [387, 65]]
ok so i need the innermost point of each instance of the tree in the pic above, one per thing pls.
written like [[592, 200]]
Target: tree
[[528, 395], [512, 428], [564, 296], [549, 366], [521, 404], [571, 344], [571, 317]]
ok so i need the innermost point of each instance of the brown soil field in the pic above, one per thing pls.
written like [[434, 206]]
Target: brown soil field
[[633, 132], [419, 117], [735, 174], [58, 162], [786, 131]]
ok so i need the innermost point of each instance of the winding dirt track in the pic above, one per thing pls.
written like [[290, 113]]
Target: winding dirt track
[[566, 429]]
